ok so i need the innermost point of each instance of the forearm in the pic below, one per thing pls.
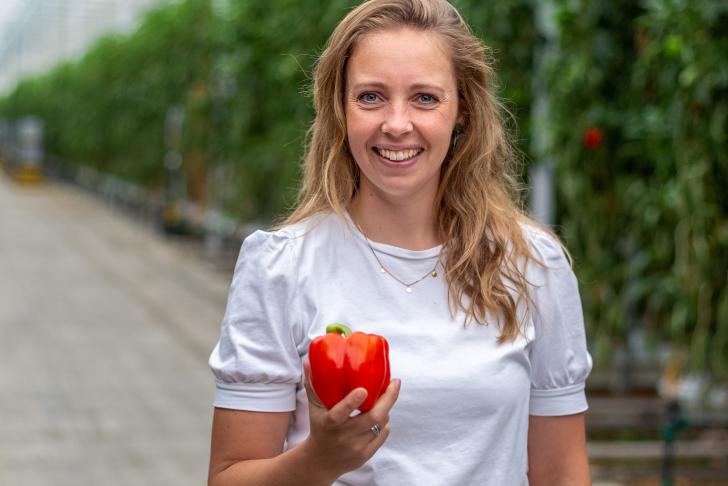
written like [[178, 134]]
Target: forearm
[[557, 451], [573, 473], [569, 470], [292, 468]]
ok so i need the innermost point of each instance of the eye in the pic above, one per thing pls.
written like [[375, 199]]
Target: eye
[[427, 99], [368, 98]]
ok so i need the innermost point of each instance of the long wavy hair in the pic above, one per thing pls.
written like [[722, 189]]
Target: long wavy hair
[[477, 203]]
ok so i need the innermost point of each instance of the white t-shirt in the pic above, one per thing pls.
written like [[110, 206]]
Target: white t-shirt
[[462, 413]]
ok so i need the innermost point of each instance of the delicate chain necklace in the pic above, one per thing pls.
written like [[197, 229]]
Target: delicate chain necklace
[[383, 269]]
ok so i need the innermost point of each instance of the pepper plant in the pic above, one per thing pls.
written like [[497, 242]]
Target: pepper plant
[[644, 211]]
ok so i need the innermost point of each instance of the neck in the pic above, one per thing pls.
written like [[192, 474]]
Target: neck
[[408, 225]]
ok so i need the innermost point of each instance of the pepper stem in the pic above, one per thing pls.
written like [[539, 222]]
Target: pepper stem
[[338, 328]]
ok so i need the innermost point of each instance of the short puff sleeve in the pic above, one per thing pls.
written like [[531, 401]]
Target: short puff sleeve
[[560, 362], [256, 362]]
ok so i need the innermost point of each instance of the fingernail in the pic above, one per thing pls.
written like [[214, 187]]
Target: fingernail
[[397, 384], [360, 395]]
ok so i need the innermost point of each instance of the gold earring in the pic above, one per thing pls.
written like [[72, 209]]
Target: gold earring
[[456, 131]]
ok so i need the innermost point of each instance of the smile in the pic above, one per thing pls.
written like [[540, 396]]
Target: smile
[[398, 155]]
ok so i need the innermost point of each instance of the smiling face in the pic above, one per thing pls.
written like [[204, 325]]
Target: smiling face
[[401, 107]]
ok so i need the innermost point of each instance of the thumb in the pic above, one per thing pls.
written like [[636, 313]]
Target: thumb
[[341, 412]]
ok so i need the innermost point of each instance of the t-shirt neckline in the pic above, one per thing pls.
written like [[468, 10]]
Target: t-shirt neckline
[[392, 250]]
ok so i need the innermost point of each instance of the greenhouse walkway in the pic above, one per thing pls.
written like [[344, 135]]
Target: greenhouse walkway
[[105, 330]]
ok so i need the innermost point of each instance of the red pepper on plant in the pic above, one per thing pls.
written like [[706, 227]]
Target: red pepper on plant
[[593, 138], [342, 361]]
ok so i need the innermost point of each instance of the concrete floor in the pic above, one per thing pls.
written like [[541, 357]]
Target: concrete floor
[[105, 330]]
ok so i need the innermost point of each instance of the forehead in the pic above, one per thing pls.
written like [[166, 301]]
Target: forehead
[[402, 55]]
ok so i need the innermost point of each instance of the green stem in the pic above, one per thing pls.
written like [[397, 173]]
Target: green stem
[[339, 328]]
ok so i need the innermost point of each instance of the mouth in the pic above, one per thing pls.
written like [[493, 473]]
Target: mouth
[[398, 156]]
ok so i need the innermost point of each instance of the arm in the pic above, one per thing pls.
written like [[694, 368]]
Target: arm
[[557, 451], [247, 449]]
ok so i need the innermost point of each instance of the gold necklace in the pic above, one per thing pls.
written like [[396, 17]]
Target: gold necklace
[[385, 270]]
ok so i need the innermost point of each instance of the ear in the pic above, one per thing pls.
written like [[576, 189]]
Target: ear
[[461, 113]]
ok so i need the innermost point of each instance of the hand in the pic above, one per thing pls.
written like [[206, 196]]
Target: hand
[[342, 443]]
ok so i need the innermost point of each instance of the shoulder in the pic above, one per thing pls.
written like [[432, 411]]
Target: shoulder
[[291, 240], [544, 245], [316, 226]]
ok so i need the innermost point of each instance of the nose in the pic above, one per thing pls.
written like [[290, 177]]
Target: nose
[[397, 121]]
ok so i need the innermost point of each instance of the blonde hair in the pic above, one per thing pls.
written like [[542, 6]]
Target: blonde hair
[[476, 201]]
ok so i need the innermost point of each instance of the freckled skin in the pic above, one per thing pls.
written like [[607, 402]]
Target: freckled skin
[[401, 93]]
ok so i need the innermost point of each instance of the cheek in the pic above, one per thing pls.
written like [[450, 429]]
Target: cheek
[[358, 130], [437, 131], [437, 124]]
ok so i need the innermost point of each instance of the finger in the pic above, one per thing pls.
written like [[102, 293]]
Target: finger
[[313, 399], [377, 441], [340, 412], [387, 400]]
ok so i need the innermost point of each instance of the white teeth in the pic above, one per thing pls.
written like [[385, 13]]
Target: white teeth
[[398, 155]]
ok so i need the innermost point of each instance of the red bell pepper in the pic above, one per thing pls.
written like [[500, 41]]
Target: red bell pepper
[[342, 361]]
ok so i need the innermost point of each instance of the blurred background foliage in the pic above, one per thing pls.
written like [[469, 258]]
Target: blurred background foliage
[[636, 132], [645, 212]]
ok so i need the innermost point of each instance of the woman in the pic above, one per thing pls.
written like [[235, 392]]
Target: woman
[[407, 228]]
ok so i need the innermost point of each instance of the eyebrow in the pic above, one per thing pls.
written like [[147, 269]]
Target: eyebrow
[[382, 86]]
